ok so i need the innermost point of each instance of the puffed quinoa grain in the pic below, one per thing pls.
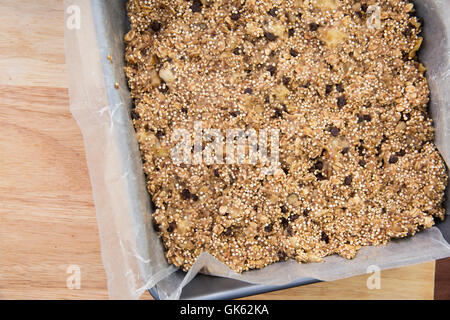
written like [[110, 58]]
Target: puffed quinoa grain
[[358, 162]]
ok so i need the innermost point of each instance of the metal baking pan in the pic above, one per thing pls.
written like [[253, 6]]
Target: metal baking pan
[[111, 16]]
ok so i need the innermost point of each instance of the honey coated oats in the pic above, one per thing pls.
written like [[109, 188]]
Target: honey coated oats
[[358, 166]]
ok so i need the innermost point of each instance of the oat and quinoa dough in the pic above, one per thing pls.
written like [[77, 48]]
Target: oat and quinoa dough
[[358, 163]]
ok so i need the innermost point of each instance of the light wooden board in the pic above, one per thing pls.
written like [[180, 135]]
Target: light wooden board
[[47, 216]]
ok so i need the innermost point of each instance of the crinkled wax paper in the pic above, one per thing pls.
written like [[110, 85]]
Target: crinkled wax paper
[[131, 251]]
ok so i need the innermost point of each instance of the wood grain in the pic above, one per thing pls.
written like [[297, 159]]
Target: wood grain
[[47, 216], [442, 280]]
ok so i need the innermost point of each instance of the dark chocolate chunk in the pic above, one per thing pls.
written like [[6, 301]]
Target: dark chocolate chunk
[[341, 101], [282, 255], [294, 53], [334, 131], [155, 26], [134, 115], [348, 180], [284, 222], [393, 159], [318, 165], [272, 70], [270, 36], [286, 80], [268, 228], [401, 153], [185, 194], [324, 237], [273, 12], [313, 26], [362, 163], [248, 91], [235, 16], [227, 232], [172, 227], [291, 32], [320, 176], [197, 6], [278, 113], [339, 87]]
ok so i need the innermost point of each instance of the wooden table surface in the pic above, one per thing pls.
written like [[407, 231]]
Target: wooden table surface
[[47, 215]]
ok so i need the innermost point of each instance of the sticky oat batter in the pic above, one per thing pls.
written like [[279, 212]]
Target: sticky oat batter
[[358, 163]]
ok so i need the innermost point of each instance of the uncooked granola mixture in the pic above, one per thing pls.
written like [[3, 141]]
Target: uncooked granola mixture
[[358, 163]]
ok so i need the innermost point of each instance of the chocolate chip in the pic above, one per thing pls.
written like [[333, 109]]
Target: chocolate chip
[[155, 26], [286, 80], [294, 217], [406, 117], [359, 14], [339, 88], [313, 26], [294, 53], [197, 6], [401, 153], [268, 228], [270, 36], [273, 12], [216, 173], [328, 88], [324, 237], [282, 255], [272, 70], [237, 51], [306, 212], [362, 163], [393, 159], [320, 176], [194, 197], [318, 165], [278, 113], [228, 232], [156, 226], [235, 16], [185, 194], [284, 222], [291, 32], [283, 209], [185, 110], [348, 180], [248, 91], [364, 7], [341, 101], [345, 150], [334, 131], [172, 227], [163, 88], [367, 117], [361, 150], [135, 115]]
